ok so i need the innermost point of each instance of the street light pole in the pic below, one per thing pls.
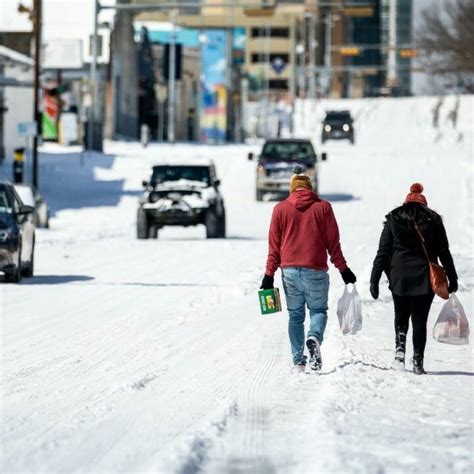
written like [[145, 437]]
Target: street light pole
[[93, 77], [37, 12], [172, 79]]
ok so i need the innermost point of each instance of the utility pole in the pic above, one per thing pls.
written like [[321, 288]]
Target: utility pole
[[392, 44], [312, 53], [37, 18], [327, 52], [93, 78], [172, 79]]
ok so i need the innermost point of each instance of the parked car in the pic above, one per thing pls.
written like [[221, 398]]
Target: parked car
[[17, 235], [338, 125], [31, 197], [277, 161], [185, 194]]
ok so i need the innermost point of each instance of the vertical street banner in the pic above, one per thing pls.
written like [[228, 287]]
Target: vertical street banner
[[50, 115], [213, 117]]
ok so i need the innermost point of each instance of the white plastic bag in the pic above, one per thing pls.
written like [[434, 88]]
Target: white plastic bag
[[452, 326], [349, 311]]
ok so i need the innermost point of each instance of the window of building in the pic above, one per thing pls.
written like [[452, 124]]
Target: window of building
[[262, 57], [278, 84], [262, 32]]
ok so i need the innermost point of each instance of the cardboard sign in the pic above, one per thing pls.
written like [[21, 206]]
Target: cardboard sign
[[270, 301]]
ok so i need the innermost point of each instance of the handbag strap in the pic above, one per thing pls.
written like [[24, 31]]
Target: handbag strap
[[422, 240]]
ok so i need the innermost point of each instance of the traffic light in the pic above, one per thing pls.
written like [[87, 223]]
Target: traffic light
[[408, 53], [350, 51], [178, 61]]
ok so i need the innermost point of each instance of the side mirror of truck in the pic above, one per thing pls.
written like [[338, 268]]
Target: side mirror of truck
[[145, 183], [324, 156], [217, 183], [250, 156]]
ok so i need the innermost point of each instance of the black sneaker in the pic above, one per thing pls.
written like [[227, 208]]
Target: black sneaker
[[315, 360]]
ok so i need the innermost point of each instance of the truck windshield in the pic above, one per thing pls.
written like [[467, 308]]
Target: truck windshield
[[288, 150], [338, 117], [163, 174]]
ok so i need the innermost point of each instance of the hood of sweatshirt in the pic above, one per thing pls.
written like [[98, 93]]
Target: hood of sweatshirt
[[302, 199]]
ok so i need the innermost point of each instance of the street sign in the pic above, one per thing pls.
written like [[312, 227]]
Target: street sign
[[278, 65], [27, 129]]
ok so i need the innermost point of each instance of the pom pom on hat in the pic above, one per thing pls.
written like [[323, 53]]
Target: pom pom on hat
[[416, 188], [415, 195]]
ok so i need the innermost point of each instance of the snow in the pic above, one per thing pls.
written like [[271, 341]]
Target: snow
[[151, 356]]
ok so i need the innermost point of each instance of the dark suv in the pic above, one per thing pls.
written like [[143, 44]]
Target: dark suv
[[338, 125], [277, 162], [182, 195], [17, 235]]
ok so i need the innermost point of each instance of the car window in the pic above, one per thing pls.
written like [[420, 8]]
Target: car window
[[26, 195], [338, 116], [288, 150], [163, 174]]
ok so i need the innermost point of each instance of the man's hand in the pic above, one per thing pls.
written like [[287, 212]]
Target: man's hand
[[348, 276], [453, 286], [374, 290], [267, 283]]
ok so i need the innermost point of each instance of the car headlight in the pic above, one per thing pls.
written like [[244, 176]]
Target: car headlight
[[5, 235], [345, 127], [154, 197], [327, 128]]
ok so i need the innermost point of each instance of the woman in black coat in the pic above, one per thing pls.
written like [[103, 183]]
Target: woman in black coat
[[401, 257]]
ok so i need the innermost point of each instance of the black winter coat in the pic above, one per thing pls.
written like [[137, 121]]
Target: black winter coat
[[400, 253]]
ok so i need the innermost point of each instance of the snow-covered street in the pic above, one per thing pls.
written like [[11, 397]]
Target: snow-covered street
[[123, 355]]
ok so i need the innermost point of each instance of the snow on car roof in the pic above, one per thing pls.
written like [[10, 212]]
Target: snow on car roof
[[186, 162]]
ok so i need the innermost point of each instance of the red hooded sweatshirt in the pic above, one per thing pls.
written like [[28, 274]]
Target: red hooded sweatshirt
[[302, 233]]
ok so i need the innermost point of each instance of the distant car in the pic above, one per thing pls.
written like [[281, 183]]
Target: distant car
[[182, 195], [31, 197], [338, 125], [277, 162], [17, 235]]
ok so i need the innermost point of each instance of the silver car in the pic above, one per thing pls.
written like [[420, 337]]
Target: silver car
[[31, 197]]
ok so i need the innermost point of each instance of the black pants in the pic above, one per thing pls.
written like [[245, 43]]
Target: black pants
[[418, 307]]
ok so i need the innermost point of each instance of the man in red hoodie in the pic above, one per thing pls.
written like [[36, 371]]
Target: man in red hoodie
[[303, 231]]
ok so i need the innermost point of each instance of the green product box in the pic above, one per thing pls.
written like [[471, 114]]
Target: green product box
[[270, 301]]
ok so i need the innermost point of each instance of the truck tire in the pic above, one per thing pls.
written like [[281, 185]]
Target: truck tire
[[211, 221], [142, 225], [222, 226], [153, 232]]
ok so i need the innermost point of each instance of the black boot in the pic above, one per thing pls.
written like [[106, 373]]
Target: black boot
[[400, 347], [418, 364]]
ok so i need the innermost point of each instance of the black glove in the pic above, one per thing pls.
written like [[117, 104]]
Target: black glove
[[453, 286], [348, 276], [267, 283], [374, 290]]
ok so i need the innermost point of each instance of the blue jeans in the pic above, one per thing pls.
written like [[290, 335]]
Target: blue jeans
[[305, 286]]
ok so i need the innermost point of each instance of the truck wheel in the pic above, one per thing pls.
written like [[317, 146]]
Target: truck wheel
[[142, 225], [222, 226], [259, 195], [153, 232], [212, 224]]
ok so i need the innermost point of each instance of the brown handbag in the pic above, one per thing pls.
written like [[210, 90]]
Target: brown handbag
[[438, 279]]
